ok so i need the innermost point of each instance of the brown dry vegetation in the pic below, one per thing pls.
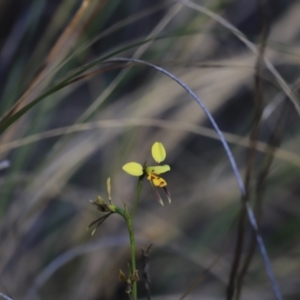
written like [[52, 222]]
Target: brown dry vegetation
[[239, 56]]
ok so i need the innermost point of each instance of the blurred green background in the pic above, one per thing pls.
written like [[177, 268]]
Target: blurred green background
[[63, 149]]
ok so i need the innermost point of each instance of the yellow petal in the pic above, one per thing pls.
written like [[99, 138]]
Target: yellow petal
[[133, 169], [158, 152], [158, 169], [156, 180]]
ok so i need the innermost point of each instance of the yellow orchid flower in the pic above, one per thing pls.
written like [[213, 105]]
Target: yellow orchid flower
[[152, 172]]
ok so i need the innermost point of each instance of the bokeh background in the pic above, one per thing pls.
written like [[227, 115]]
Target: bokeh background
[[241, 57]]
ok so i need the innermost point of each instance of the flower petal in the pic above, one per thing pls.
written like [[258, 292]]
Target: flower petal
[[158, 197], [156, 180], [133, 169], [158, 152], [158, 169], [168, 194]]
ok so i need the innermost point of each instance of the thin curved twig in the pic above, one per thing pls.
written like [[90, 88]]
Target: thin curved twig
[[231, 159], [5, 297], [234, 284], [287, 90]]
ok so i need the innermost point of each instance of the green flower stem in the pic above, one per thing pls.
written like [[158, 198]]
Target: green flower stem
[[128, 219], [120, 211], [132, 249], [138, 196]]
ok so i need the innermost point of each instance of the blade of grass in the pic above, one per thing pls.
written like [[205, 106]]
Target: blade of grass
[[52, 55], [271, 146], [9, 119], [279, 153], [232, 162], [258, 108], [249, 44], [138, 53]]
